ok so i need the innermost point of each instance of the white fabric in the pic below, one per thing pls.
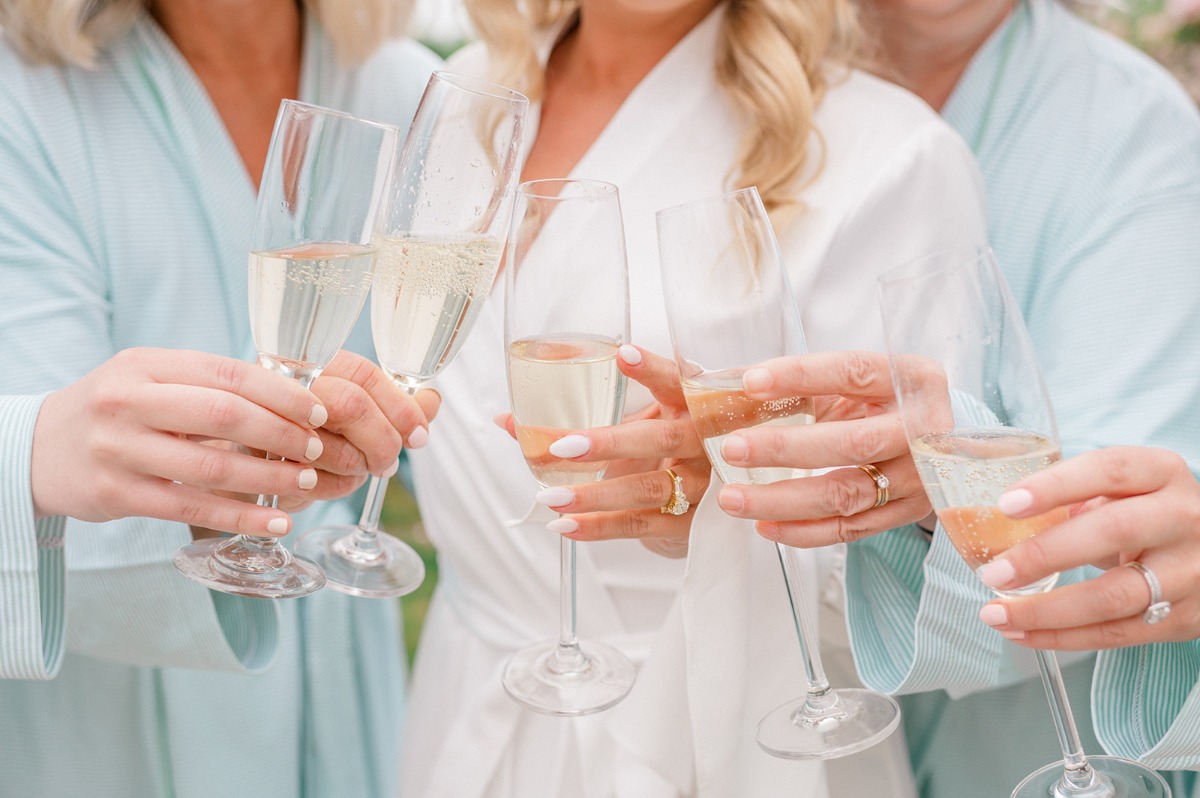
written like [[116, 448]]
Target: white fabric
[[715, 647]]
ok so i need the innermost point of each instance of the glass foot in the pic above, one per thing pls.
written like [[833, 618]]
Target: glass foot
[[284, 575], [860, 719], [374, 565], [1115, 778], [568, 680]]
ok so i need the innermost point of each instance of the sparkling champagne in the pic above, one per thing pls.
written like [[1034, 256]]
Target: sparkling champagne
[[426, 296], [559, 385], [964, 474], [304, 301], [719, 406]]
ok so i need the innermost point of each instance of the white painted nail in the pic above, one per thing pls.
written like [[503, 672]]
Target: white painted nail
[[1014, 501], [630, 354], [314, 448], [307, 479], [318, 416], [997, 574], [277, 526], [570, 446], [418, 438], [555, 497], [563, 526], [391, 470]]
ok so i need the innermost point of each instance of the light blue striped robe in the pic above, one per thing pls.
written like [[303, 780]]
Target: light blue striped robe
[[1091, 157], [125, 218]]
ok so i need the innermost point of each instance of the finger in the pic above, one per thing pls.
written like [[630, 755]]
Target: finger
[[1129, 525], [397, 406], [430, 402], [1181, 625], [658, 374], [661, 439], [836, 494], [1117, 593], [188, 505], [1115, 472], [858, 374], [505, 422], [358, 419], [626, 524], [329, 487], [226, 416], [828, 531], [647, 490], [275, 392], [212, 468], [833, 443]]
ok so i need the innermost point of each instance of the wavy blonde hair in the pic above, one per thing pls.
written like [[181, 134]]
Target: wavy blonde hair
[[772, 62], [75, 31]]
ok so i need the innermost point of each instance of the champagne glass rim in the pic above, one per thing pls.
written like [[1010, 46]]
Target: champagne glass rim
[[748, 191], [326, 111], [536, 189], [480, 86], [934, 264]]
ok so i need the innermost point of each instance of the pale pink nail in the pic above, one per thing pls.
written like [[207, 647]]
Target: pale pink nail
[[630, 354], [555, 497], [307, 479], [277, 526], [563, 526], [757, 380], [994, 614], [570, 446], [418, 438], [735, 449], [501, 420], [390, 471], [314, 448], [997, 574], [318, 416], [1013, 634], [731, 499], [1015, 501]]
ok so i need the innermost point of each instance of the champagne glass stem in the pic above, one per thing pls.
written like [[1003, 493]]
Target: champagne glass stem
[[568, 657], [820, 701], [1078, 777], [366, 539]]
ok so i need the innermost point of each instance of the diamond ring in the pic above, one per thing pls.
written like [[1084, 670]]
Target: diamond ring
[[678, 504], [881, 484], [1158, 608]]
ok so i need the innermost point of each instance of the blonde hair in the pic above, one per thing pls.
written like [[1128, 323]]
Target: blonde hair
[[75, 31], [772, 63]]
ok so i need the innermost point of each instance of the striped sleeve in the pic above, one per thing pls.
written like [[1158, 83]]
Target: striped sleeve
[[32, 558]]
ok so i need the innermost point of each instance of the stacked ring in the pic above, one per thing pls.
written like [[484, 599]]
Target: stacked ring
[[1158, 608], [678, 504], [881, 484]]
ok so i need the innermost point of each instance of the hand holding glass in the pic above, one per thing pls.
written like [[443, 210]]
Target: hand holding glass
[[311, 260], [978, 419]]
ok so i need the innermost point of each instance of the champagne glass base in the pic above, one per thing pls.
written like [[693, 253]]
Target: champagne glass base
[[295, 578], [1121, 778], [866, 718], [533, 680], [392, 569]]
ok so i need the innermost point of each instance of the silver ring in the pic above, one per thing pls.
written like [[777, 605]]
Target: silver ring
[[881, 484], [678, 504], [1158, 608]]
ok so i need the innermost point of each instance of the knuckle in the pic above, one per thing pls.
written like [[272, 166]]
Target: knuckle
[[841, 497], [865, 442], [1114, 635], [1116, 469], [859, 371], [653, 489], [675, 436], [229, 375], [212, 467], [223, 412], [846, 530]]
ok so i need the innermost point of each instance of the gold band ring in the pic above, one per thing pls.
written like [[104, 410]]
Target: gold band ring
[[678, 504], [1158, 608], [881, 484]]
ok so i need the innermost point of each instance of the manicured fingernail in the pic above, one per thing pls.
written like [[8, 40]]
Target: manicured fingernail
[[501, 420], [277, 526], [307, 479], [418, 438], [768, 529], [314, 448], [1013, 634], [731, 499], [757, 380], [563, 526], [994, 614], [1015, 501], [735, 449], [630, 354], [997, 574], [390, 471], [570, 446], [554, 497], [318, 416]]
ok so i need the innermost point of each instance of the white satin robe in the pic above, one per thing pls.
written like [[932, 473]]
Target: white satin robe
[[714, 644]]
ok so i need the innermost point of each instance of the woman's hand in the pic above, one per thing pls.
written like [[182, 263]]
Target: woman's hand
[[134, 437], [626, 504], [1127, 504], [858, 424]]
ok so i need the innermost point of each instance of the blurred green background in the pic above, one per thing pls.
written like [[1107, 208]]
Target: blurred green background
[[400, 518]]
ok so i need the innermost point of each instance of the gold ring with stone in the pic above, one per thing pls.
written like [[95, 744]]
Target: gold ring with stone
[[881, 484], [678, 504]]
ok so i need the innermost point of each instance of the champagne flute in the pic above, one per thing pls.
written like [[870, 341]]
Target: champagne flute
[[562, 342], [443, 238], [729, 307], [311, 259], [978, 419]]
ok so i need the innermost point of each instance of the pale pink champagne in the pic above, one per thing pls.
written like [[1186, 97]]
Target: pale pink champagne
[[719, 406], [304, 301], [426, 296], [558, 385], [964, 474]]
